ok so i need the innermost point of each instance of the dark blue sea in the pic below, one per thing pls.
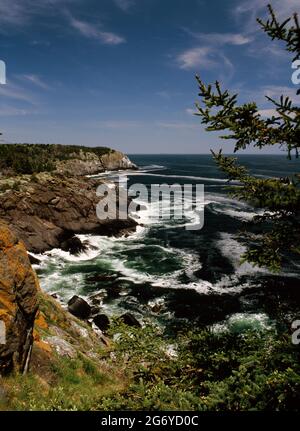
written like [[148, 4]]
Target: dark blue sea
[[172, 276]]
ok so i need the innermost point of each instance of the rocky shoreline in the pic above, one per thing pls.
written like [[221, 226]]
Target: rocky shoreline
[[46, 209], [39, 212]]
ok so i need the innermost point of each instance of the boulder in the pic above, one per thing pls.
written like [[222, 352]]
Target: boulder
[[33, 260], [73, 245], [19, 289], [79, 307], [129, 320], [102, 322]]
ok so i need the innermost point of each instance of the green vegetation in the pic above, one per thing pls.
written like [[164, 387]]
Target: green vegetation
[[279, 226], [34, 158], [57, 382], [207, 371], [215, 372], [75, 385]]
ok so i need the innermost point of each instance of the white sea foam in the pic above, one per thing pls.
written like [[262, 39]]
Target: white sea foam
[[187, 177], [241, 322], [152, 167], [233, 250], [235, 213], [108, 250]]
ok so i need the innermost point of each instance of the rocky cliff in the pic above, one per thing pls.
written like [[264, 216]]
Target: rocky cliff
[[76, 160], [63, 354], [89, 163], [18, 302], [45, 210]]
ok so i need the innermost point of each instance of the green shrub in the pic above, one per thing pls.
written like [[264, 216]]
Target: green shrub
[[249, 371]]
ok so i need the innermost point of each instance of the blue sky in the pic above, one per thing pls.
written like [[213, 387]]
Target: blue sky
[[120, 73]]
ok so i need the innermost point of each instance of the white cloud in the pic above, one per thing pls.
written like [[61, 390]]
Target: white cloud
[[177, 125], [220, 39], [208, 53], [190, 111], [259, 95], [118, 124], [266, 113], [248, 11], [36, 80], [10, 111], [13, 91], [91, 31], [203, 58], [196, 57], [19, 12], [168, 94], [276, 91], [163, 94], [125, 5], [282, 8]]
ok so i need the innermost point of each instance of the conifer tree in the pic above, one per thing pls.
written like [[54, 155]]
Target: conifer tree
[[277, 230]]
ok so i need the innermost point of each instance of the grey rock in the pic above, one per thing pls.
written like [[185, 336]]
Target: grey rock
[[62, 347]]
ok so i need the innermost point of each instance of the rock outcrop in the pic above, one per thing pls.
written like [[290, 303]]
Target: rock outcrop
[[45, 210], [88, 163], [18, 302], [65, 159]]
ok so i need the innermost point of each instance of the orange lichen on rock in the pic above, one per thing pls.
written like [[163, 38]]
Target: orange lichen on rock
[[40, 321], [18, 301]]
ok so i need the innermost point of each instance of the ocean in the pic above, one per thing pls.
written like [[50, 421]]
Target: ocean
[[172, 276]]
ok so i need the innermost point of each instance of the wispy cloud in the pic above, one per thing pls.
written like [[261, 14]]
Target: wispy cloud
[[221, 39], [196, 57], [190, 111], [164, 94], [168, 94], [35, 80], [11, 111], [125, 5], [276, 91], [134, 124], [177, 125], [203, 58], [93, 32], [209, 53], [282, 8], [18, 13], [249, 11], [259, 94], [13, 91], [266, 113], [119, 124]]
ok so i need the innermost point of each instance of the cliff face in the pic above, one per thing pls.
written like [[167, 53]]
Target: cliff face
[[88, 163], [18, 159], [48, 209], [64, 354], [18, 302]]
